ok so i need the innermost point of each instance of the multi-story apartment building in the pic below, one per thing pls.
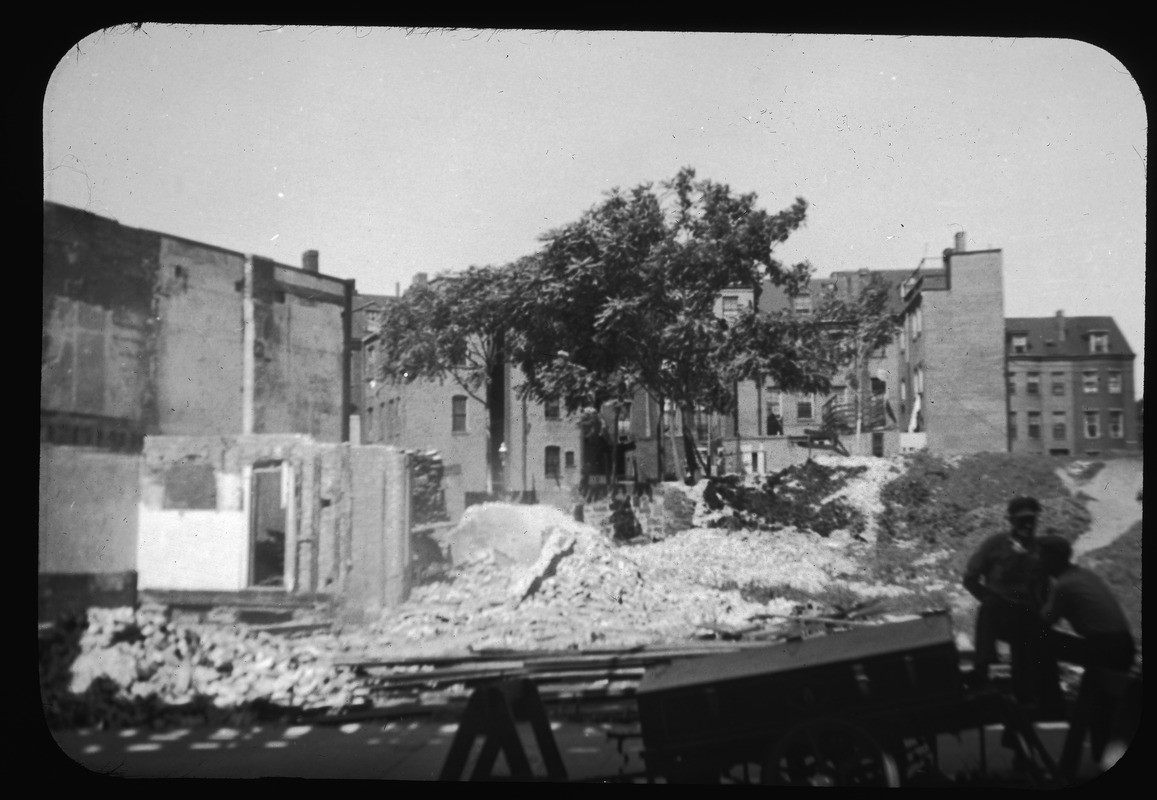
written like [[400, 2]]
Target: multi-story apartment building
[[364, 410], [939, 384], [491, 443], [766, 414], [951, 352], [935, 385], [1070, 386]]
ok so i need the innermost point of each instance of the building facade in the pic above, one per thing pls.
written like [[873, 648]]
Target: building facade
[[952, 352], [1070, 386], [147, 336]]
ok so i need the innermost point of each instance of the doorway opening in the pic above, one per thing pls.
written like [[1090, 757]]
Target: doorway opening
[[267, 526]]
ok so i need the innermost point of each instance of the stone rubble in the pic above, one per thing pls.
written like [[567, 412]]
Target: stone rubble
[[123, 667]]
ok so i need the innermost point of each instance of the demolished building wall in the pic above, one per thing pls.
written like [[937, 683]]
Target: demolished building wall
[[332, 519]]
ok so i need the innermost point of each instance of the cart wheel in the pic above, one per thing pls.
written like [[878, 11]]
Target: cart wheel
[[829, 752]]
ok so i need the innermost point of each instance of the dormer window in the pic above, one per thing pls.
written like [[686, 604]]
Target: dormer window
[[1019, 343], [1098, 343]]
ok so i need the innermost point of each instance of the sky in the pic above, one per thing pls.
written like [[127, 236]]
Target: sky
[[394, 151]]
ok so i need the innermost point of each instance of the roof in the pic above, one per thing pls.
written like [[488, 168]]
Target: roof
[[846, 282], [1043, 339]]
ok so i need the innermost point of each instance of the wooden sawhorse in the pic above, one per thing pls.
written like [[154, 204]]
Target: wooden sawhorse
[[492, 713]]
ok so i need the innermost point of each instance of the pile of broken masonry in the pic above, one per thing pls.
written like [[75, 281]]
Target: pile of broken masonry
[[582, 591]]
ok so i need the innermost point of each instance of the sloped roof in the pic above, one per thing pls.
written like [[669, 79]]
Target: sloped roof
[[1043, 337]]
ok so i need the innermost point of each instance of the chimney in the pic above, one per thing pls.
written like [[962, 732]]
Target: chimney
[[961, 241], [419, 278], [309, 261], [1060, 325]]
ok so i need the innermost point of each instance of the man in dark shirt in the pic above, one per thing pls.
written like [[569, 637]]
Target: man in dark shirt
[[1005, 574], [1082, 599]]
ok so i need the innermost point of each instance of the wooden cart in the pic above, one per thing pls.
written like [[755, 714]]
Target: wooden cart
[[860, 708]]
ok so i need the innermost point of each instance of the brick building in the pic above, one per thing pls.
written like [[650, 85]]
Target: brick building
[[952, 352], [156, 351], [1070, 386], [149, 334], [491, 443]]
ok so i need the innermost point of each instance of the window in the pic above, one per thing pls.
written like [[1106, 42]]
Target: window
[[774, 412], [1034, 424], [1116, 424], [802, 304], [1060, 427], [458, 414], [803, 409], [1089, 382], [1019, 343], [1012, 383], [551, 409], [550, 458], [1092, 425], [1032, 383], [1012, 432], [919, 321], [570, 459], [1098, 343], [1114, 382], [730, 307], [1058, 381]]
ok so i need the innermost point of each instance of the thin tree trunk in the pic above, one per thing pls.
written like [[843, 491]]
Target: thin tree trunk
[[674, 449], [614, 451], [659, 440], [859, 405], [689, 450]]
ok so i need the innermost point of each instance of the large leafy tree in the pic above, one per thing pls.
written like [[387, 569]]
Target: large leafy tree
[[450, 329], [623, 300]]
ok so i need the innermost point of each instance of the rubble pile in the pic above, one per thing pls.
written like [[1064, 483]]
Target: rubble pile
[[587, 591], [909, 525], [124, 667]]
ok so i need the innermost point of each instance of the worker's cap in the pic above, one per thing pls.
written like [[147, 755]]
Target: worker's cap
[[1023, 505], [1055, 546]]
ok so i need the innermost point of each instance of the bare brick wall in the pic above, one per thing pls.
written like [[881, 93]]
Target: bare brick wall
[[98, 323], [145, 329], [963, 358]]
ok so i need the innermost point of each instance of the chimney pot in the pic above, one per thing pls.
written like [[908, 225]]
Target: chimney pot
[[309, 261], [961, 241]]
